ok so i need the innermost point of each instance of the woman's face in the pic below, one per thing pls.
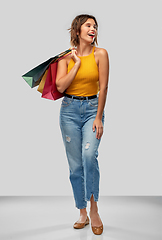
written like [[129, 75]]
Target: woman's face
[[88, 31]]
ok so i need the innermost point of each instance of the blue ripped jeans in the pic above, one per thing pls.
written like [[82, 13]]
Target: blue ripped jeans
[[81, 145]]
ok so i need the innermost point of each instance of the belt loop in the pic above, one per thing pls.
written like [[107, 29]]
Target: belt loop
[[87, 99]]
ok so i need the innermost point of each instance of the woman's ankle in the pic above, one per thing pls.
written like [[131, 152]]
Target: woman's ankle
[[93, 211], [83, 212], [93, 207]]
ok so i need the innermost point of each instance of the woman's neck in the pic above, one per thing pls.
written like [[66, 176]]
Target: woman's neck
[[84, 50]]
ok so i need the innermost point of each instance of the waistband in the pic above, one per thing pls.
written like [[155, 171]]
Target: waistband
[[80, 98]]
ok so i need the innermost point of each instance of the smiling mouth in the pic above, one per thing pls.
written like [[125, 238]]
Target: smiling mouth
[[91, 35]]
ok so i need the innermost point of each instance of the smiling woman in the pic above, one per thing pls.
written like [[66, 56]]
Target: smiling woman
[[81, 76], [77, 24]]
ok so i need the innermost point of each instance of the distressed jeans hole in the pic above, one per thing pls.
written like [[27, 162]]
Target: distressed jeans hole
[[68, 139], [87, 146]]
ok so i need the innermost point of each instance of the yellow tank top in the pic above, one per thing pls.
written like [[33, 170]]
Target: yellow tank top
[[86, 81]]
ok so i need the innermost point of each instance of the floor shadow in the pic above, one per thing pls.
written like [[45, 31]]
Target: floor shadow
[[38, 231], [57, 231]]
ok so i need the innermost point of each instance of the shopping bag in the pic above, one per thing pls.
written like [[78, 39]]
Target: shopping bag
[[42, 82], [50, 90], [34, 76], [47, 85]]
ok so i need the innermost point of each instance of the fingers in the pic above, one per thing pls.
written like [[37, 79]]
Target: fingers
[[74, 53], [93, 127], [75, 57], [73, 50], [99, 131]]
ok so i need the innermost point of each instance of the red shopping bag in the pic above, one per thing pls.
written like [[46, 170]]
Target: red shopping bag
[[50, 90]]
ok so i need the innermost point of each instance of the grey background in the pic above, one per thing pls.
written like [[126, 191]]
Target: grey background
[[32, 159]]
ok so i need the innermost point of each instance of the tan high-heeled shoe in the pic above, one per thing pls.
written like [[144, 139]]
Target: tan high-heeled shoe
[[81, 225]]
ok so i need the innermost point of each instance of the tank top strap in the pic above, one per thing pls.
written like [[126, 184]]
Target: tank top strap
[[93, 49]]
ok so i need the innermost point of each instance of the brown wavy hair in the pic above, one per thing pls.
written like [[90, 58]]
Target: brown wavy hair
[[76, 26]]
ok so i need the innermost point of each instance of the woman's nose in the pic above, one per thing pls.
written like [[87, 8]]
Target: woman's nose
[[93, 29]]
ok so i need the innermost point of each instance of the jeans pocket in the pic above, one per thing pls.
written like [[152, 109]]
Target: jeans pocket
[[93, 102], [66, 101]]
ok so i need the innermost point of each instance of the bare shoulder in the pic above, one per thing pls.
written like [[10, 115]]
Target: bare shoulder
[[65, 60], [101, 52], [101, 55]]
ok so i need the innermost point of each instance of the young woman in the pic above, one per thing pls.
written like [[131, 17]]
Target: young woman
[[81, 76]]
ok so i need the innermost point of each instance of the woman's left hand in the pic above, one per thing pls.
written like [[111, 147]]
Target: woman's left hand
[[97, 124]]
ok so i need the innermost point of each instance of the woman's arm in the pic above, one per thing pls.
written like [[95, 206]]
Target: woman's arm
[[103, 65], [64, 79]]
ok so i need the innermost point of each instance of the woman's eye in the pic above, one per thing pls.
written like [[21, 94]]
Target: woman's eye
[[95, 27]]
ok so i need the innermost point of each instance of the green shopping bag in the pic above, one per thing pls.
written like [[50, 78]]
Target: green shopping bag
[[34, 76]]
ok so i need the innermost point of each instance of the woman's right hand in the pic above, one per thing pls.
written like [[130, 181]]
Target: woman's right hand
[[64, 79], [75, 57]]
